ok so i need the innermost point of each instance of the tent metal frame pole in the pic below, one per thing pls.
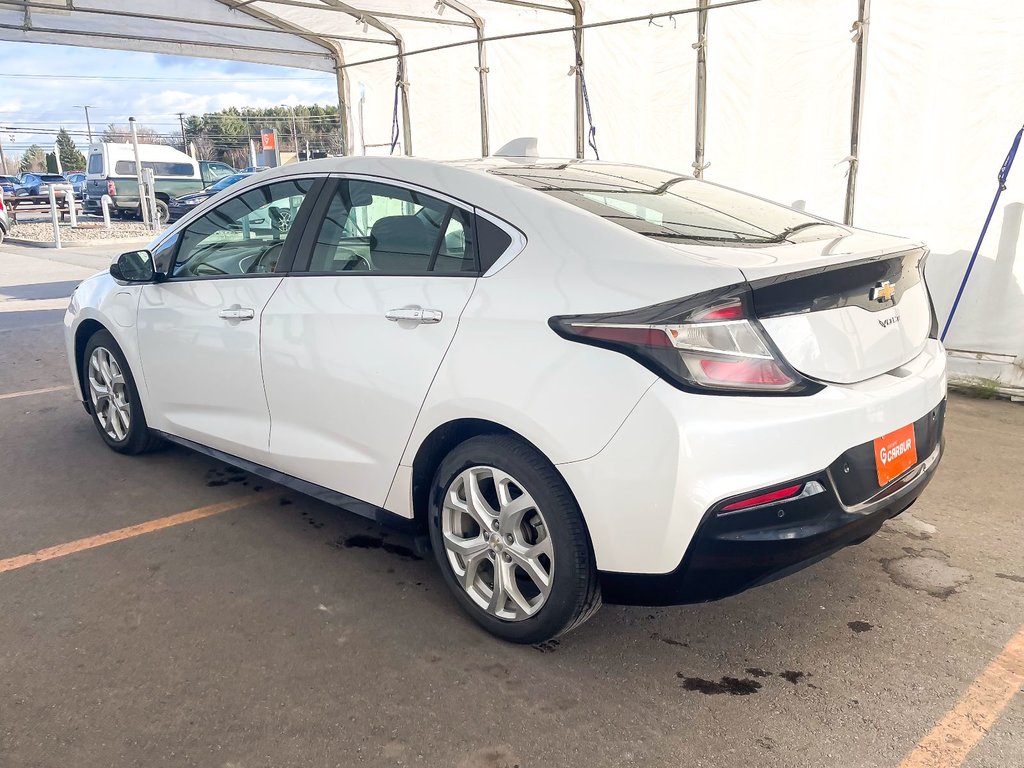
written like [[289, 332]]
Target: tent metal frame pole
[[316, 6], [402, 77], [481, 68], [278, 26], [577, 37], [860, 62], [337, 53], [701, 111]]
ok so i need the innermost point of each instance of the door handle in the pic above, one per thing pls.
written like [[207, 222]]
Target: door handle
[[237, 313], [415, 315]]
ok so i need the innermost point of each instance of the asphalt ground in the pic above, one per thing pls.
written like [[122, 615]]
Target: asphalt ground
[[268, 629]]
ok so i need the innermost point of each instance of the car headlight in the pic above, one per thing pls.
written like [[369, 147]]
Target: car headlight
[[194, 201]]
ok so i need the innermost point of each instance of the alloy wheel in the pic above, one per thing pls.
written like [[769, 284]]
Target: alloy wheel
[[497, 543], [108, 393]]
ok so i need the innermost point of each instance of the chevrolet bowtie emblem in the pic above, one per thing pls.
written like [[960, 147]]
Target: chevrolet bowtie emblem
[[883, 291]]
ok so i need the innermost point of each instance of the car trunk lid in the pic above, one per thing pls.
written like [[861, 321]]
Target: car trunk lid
[[839, 309]]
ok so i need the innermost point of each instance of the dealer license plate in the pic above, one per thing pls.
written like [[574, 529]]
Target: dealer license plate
[[895, 453]]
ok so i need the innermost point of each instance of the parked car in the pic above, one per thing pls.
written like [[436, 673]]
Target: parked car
[[32, 184], [111, 171], [77, 180], [179, 206], [256, 168], [8, 184], [586, 381]]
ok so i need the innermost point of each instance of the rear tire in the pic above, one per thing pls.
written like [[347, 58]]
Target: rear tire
[[501, 516], [114, 397]]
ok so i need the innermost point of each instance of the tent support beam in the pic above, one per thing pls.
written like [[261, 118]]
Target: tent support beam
[[577, 15], [702, 90], [861, 28], [402, 78], [330, 45], [481, 68]]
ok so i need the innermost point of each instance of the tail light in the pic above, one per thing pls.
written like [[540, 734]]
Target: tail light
[[111, 189], [706, 343]]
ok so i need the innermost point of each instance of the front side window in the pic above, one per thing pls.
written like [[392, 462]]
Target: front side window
[[242, 236], [375, 227]]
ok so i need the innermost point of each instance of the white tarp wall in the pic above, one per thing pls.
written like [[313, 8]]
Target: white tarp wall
[[944, 95]]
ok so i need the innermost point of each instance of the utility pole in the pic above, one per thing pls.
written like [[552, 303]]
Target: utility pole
[[184, 142], [88, 125], [3, 158]]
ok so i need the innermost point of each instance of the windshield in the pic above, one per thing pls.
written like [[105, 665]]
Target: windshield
[[659, 204], [52, 177], [226, 182]]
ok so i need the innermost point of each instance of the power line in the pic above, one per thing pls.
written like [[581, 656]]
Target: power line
[[147, 79]]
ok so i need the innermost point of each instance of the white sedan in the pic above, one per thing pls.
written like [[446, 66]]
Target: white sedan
[[586, 380]]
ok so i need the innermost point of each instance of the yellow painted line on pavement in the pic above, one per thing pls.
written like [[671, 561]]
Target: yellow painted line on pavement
[[91, 542], [949, 743], [28, 392]]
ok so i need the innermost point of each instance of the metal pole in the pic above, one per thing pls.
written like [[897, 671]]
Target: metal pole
[[702, 89], [138, 172], [577, 13], [184, 141], [861, 40], [481, 58], [403, 84], [88, 125], [343, 100], [3, 157], [53, 217]]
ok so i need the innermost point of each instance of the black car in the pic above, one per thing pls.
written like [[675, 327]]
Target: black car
[[182, 205]]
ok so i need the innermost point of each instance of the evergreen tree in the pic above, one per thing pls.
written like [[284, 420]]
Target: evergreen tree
[[70, 158]]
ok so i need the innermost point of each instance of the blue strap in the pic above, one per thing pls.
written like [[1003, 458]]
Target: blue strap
[[1004, 172]]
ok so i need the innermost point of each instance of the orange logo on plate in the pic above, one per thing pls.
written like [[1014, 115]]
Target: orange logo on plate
[[895, 453]]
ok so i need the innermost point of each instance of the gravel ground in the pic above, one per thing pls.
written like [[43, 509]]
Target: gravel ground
[[87, 230]]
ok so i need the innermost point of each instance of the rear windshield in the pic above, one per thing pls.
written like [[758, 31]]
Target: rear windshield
[[127, 168], [95, 164], [52, 177], [659, 204], [226, 182]]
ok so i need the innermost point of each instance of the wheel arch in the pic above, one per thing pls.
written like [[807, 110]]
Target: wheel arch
[[440, 442], [85, 331]]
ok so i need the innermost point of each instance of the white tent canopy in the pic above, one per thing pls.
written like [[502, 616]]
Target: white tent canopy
[[942, 94]]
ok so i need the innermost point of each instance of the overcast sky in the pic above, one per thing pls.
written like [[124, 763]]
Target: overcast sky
[[153, 88]]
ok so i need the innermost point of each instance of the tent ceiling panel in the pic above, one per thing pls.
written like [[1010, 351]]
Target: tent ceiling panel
[[200, 28]]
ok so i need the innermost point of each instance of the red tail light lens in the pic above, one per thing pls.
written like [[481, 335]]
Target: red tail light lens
[[708, 343], [111, 189]]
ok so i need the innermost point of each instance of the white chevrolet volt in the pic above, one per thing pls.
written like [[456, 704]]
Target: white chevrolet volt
[[587, 381]]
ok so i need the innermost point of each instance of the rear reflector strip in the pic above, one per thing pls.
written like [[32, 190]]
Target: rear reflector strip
[[764, 498], [780, 496]]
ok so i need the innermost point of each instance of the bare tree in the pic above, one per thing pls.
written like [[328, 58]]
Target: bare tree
[[118, 133], [205, 148]]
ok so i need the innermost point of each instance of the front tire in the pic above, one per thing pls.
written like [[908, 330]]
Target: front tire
[[511, 542], [114, 397]]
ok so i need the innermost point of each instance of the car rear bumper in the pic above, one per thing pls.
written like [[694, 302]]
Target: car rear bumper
[[733, 551], [677, 455]]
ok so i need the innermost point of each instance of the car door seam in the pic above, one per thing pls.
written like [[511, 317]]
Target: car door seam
[[430, 386]]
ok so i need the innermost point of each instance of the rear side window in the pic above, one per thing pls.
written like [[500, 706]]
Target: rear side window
[[492, 242], [95, 164], [383, 228], [127, 168], [658, 204]]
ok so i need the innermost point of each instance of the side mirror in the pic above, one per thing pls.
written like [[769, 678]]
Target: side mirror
[[134, 267]]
